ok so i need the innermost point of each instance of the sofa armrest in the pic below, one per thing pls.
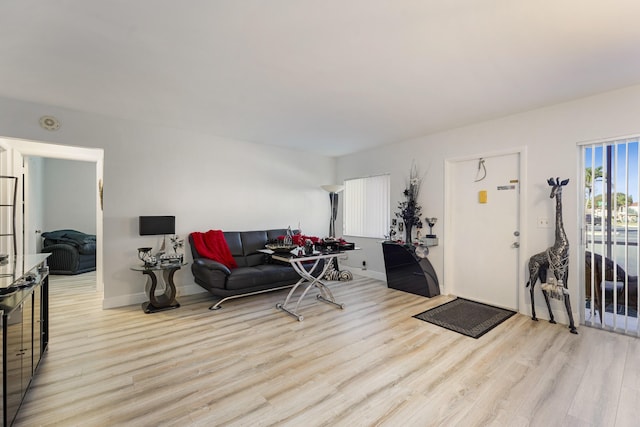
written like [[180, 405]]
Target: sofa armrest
[[212, 265], [60, 247], [63, 248], [64, 258]]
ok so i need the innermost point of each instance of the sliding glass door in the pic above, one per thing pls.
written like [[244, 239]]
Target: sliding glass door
[[610, 235]]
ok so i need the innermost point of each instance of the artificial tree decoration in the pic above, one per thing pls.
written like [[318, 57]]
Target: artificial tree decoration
[[410, 210]]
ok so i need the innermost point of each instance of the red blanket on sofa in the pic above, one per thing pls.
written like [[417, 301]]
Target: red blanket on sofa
[[212, 245]]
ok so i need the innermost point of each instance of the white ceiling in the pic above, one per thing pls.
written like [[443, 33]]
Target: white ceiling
[[328, 76]]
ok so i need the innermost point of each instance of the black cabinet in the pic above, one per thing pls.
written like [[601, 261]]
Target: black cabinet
[[408, 272], [12, 363], [38, 321], [19, 355], [23, 320]]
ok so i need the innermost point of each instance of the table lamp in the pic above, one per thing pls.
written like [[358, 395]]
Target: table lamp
[[158, 225]]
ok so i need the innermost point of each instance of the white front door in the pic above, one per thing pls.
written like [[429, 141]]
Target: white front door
[[481, 261]]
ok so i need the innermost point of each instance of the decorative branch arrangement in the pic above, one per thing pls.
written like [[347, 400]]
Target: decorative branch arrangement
[[410, 210], [176, 242]]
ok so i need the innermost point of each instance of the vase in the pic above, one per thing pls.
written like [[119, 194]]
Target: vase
[[407, 229]]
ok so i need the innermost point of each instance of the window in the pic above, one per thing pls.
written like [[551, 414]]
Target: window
[[366, 206]]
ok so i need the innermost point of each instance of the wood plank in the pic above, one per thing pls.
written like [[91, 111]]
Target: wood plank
[[369, 364]]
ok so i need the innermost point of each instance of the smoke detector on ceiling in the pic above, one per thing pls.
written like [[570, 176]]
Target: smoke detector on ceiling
[[49, 123]]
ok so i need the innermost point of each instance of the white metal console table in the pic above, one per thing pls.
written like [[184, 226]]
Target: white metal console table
[[308, 280]]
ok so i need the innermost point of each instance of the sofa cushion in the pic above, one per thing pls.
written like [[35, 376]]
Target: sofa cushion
[[252, 242], [272, 235], [255, 259], [234, 242], [261, 275], [235, 246], [247, 277], [279, 272]]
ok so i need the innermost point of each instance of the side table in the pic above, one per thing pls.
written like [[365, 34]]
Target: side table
[[166, 300]]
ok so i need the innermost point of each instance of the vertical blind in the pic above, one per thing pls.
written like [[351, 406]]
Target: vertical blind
[[610, 222], [366, 206]]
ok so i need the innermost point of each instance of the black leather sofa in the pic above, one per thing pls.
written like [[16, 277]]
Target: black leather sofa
[[72, 252], [255, 274]]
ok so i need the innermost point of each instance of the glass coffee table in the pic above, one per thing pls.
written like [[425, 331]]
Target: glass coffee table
[[305, 266]]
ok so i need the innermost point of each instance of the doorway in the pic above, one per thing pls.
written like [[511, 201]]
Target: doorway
[[16, 150], [59, 195], [482, 209]]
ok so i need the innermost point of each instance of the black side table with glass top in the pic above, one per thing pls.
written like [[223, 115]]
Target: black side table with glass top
[[167, 299]]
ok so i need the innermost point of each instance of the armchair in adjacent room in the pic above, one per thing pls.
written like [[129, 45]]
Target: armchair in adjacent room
[[72, 252]]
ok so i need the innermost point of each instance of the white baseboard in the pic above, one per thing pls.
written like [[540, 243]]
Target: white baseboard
[[124, 300], [193, 288], [140, 297], [366, 273]]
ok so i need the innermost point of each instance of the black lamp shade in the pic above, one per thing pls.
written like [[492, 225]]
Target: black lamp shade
[[155, 225]]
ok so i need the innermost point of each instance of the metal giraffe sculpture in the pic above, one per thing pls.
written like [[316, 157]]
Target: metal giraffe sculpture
[[556, 259]]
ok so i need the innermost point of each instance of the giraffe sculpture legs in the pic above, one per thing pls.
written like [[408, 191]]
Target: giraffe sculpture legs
[[567, 305], [533, 308], [538, 271]]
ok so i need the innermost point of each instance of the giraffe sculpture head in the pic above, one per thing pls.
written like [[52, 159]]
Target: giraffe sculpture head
[[556, 186]]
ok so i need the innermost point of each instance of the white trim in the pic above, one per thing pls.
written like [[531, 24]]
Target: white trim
[[55, 151], [580, 233], [486, 155], [141, 297], [366, 273]]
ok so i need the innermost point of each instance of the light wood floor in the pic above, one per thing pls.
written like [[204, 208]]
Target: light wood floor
[[370, 364]]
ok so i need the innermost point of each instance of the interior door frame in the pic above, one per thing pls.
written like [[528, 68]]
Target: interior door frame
[[25, 148], [448, 249]]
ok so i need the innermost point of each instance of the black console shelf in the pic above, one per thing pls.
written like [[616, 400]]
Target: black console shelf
[[407, 272], [24, 328]]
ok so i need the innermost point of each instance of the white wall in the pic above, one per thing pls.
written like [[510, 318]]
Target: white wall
[[205, 181], [550, 136], [69, 194], [215, 182]]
